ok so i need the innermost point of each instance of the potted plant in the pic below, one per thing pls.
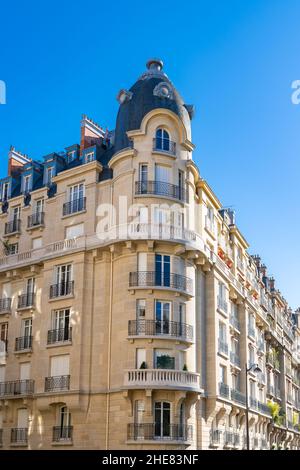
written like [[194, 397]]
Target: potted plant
[[143, 365], [6, 247], [185, 368]]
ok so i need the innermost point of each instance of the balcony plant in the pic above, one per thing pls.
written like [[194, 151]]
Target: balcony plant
[[275, 410], [143, 365], [6, 247], [185, 368]]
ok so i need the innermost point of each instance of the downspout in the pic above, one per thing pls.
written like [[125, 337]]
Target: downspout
[[109, 352]]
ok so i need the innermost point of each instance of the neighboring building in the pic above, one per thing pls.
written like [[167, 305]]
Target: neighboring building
[[133, 333]]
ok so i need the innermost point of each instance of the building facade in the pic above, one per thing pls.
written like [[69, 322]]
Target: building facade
[[131, 314]]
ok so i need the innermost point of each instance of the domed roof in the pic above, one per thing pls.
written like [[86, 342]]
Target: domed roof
[[151, 91]]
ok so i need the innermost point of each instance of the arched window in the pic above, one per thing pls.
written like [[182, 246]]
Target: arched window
[[162, 140]]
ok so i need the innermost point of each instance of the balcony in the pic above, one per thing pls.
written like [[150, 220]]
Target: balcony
[[222, 304], [159, 432], [215, 437], [35, 220], [228, 439], [222, 347], [253, 403], [235, 359], [160, 328], [59, 336], [26, 300], [161, 188], [162, 379], [148, 279], [234, 322], [13, 227], [223, 390], [16, 388], [23, 343], [62, 289], [238, 397], [57, 383], [19, 436], [164, 145], [76, 205], [62, 433], [5, 306], [263, 408]]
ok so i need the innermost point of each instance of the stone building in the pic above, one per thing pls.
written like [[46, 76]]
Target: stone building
[[132, 315]]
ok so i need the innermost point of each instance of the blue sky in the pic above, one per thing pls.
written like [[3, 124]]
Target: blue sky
[[234, 60]]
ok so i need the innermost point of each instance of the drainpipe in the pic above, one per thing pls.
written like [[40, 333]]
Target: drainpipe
[[109, 352]]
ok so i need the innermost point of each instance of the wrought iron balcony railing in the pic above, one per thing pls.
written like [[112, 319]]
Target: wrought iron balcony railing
[[164, 145], [13, 226], [62, 433], [160, 328], [57, 383], [76, 205], [36, 219], [158, 279], [263, 408], [222, 304], [238, 396], [161, 188], [234, 321], [158, 431], [60, 335], [5, 305], [235, 359], [223, 390], [16, 388], [26, 300], [61, 289], [215, 437], [19, 436], [23, 343]]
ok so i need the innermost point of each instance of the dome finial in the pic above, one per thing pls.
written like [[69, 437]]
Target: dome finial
[[155, 64]]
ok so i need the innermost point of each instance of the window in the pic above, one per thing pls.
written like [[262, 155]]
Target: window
[[37, 243], [71, 156], [143, 173], [27, 327], [64, 430], [223, 375], [27, 184], [162, 317], [164, 359], [251, 355], [222, 303], [2, 374], [210, 219], [181, 184], [22, 418], [252, 389], [5, 191], [76, 192], [16, 211], [13, 249], [140, 358], [63, 274], [139, 410], [222, 332], [89, 157], [162, 417], [60, 365], [235, 381], [162, 270], [3, 337], [30, 285], [162, 175], [140, 309], [39, 206], [75, 231], [49, 175], [162, 140], [61, 325]]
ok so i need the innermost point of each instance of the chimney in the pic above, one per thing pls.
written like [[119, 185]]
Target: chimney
[[272, 284], [91, 133], [16, 161]]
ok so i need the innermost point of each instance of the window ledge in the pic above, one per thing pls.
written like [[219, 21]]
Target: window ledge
[[73, 214], [62, 297], [59, 344]]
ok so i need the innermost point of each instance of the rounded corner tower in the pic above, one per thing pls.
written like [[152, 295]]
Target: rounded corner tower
[[153, 90]]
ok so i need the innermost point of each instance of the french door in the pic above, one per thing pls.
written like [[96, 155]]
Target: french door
[[162, 270], [162, 416], [162, 317]]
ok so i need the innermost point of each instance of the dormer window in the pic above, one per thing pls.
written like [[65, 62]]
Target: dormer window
[[27, 184], [89, 157], [71, 156], [162, 139], [5, 191], [49, 175]]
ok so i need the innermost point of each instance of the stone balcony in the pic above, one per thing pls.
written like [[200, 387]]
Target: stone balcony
[[162, 379]]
